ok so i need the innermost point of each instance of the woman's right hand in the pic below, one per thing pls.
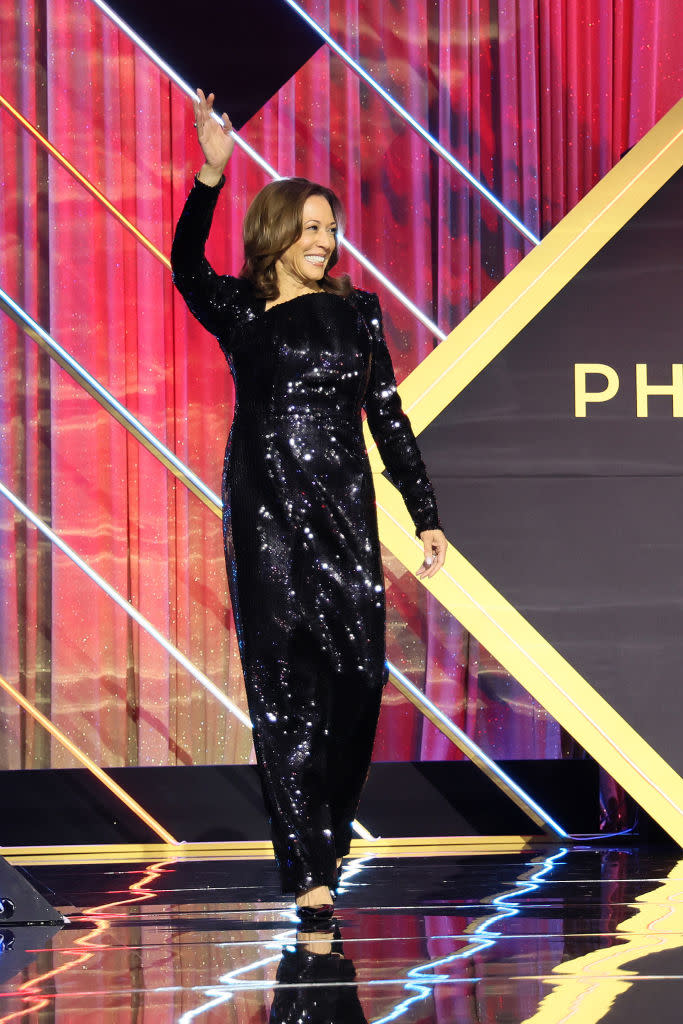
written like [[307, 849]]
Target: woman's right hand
[[215, 139]]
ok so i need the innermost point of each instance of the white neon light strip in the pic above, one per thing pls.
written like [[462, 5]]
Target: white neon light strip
[[191, 1015], [181, 470], [128, 608], [230, 979], [477, 752], [286, 939], [197, 673], [409, 119], [422, 984], [213, 991], [251, 152], [182, 84], [523, 888], [391, 287], [184, 473]]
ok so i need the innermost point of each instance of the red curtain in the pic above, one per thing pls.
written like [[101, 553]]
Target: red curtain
[[537, 99]]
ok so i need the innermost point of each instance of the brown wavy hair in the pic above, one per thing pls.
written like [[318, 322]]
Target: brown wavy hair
[[274, 221]]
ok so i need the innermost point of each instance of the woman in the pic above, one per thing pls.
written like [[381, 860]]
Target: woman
[[307, 353]]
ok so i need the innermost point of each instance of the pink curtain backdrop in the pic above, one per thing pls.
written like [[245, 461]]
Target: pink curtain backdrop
[[538, 99]]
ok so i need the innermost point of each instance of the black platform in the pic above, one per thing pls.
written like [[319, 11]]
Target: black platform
[[223, 802]]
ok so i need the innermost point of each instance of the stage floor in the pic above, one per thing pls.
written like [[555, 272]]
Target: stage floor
[[548, 934]]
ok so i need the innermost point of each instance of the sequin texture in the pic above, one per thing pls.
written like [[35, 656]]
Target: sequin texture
[[301, 541]]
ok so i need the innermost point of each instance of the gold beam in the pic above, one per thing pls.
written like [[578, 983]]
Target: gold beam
[[443, 374], [88, 763], [530, 286], [409, 846], [85, 182]]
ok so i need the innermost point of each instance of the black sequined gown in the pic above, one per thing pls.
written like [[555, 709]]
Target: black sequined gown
[[301, 542], [316, 988]]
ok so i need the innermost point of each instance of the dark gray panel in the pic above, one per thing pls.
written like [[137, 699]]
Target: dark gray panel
[[578, 521]]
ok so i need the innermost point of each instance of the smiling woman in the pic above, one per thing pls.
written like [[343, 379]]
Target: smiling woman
[[307, 353], [305, 262], [290, 240]]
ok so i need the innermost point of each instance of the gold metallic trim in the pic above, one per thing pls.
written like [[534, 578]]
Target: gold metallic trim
[[88, 763], [421, 846], [541, 670], [464, 592], [95, 192], [530, 286]]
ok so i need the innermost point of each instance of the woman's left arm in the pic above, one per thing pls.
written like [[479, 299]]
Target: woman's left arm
[[393, 434]]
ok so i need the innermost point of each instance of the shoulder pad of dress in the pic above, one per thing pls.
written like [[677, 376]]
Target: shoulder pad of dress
[[366, 302]]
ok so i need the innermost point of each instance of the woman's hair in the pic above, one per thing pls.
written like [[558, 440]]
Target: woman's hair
[[274, 221]]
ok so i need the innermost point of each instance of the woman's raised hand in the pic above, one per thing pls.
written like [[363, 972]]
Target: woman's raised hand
[[215, 139]]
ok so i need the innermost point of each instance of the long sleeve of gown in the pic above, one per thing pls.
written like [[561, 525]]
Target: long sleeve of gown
[[208, 295], [393, 434]]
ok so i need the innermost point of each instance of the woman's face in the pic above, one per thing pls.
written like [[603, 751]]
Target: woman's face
[[305, 261]]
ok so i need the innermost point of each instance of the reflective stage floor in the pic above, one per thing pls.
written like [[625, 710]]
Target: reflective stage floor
[[548, 934]]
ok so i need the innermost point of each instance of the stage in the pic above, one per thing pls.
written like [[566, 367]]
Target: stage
[[470, 933], [513, 183]]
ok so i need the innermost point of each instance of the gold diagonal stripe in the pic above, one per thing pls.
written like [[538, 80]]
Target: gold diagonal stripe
[[530, 286], [443, 374], [85, 182], [88, 763]]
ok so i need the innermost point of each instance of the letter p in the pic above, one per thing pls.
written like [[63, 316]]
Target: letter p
[[582, 396]]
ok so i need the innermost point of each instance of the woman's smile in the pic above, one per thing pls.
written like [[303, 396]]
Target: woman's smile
[[304, 263]]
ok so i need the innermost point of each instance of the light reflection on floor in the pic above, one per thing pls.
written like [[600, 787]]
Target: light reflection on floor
[[547, 936]]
